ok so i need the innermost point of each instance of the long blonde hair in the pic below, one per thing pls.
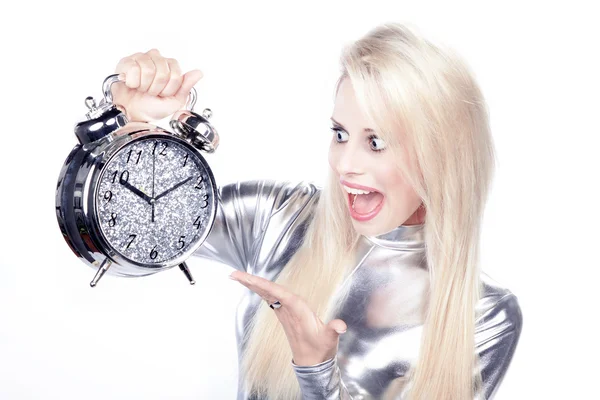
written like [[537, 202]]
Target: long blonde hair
[[425, 103]]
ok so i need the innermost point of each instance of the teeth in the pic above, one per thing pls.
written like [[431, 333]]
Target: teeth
[[355, 191]]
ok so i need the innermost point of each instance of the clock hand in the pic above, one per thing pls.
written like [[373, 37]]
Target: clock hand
[[163, 194], [136, 191]]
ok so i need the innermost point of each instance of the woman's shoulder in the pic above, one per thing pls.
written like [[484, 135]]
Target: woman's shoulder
[[493, 290], [497, 332], [498, 308]]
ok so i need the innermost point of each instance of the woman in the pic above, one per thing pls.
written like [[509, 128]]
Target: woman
[[371, 284]]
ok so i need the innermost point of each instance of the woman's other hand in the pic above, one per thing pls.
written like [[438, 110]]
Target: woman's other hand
[[154, 86], [312, 341]]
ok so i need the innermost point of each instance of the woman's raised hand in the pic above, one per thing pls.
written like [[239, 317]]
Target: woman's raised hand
[[154, 86]]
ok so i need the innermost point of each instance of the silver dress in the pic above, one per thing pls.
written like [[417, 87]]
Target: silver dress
[[259, 226]]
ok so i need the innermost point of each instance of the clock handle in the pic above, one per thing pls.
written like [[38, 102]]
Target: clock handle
[[114, 78], [106, 87], [191, 100], [183, 266]]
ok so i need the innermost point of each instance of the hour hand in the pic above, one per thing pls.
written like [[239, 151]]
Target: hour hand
[[136, 191], [183, 182]]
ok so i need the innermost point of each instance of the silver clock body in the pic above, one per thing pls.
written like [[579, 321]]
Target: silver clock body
[[108, 205]]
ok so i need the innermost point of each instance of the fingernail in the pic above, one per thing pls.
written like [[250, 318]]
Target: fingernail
[[121, 77], [232, 278]]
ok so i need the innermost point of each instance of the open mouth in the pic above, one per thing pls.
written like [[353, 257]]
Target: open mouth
[[364, 204]]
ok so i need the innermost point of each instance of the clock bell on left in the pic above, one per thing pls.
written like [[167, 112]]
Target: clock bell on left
[[132, 198]]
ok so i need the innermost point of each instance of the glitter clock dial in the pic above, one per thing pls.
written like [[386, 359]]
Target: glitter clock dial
[[153, 200]]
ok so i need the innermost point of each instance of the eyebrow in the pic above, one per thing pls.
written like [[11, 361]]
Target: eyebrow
[[368, 130]]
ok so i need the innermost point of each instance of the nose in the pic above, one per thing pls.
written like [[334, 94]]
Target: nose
[[348, 159]]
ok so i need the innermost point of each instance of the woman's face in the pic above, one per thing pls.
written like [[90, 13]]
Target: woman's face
[[361, 160]]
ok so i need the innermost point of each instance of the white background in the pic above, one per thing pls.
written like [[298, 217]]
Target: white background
[[270, 70]]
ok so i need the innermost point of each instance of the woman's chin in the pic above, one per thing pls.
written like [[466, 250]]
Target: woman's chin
[[372, 227], [381, 224]]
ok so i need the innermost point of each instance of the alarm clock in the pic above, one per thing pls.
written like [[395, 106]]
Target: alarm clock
[[133, 198]]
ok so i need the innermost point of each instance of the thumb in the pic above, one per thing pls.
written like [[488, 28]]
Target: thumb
[[338, 325], [189, 80]]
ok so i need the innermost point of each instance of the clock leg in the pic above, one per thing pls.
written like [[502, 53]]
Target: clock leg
[[187, 272], [103, 268]]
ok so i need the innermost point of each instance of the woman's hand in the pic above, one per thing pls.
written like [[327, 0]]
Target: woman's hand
[[154, 86], [311, 340]]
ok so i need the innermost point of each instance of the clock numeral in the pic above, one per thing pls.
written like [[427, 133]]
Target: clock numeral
[[139, 154], [197, 222], [164, 149], [107, 196], [205, 199], [113, 219], [124, 177], [199, 182], [181, 242], [162, 152], [185, 159], [153, 253], [131, 239]]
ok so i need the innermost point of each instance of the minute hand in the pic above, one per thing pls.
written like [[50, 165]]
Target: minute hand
[[163, 194]]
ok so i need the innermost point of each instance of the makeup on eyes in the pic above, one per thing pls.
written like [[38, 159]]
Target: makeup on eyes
[[337, 129]]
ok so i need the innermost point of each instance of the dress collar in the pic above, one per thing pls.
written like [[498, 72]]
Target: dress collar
[[401, 237]]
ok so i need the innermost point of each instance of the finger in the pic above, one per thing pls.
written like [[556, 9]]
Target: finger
[[148, 70], [189, 80], [131, 69], [338, 325], [265, 295], [161, 77], [268, 290], [175, 80]]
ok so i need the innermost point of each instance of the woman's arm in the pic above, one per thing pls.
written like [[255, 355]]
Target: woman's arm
[[244, 235], [253, 222], [321, 381]]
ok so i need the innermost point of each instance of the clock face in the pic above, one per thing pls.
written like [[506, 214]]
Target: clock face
[[154, 200]]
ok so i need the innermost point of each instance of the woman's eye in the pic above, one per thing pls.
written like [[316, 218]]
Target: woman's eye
[[376, 143], [340, 135]]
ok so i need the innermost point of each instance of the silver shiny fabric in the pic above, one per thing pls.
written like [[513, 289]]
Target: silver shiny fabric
[[259, 226]]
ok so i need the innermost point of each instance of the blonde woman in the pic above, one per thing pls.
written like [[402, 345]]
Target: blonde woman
[[368, 287]]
